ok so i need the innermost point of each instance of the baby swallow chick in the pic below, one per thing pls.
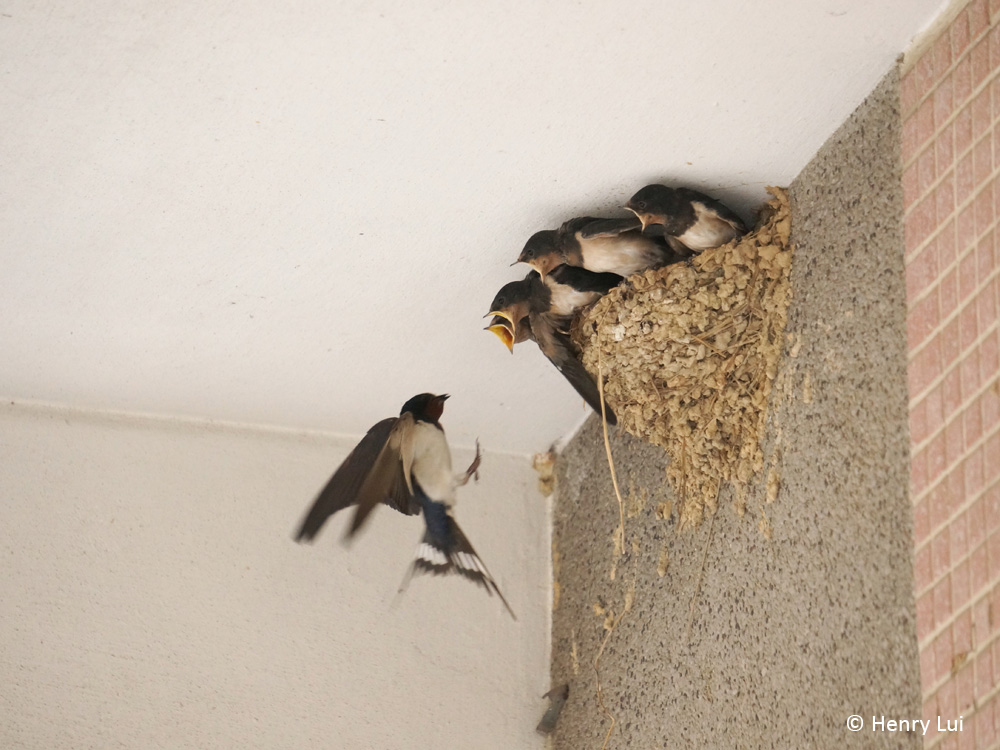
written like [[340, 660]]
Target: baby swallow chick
[[690, 221], [530, 309], [600, 245], [571, 288]]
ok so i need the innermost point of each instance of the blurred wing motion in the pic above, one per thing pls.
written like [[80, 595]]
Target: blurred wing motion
[[389, 479], [366, 472]]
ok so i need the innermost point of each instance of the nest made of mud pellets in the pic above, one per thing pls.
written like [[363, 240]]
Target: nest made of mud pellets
[[689, 353]]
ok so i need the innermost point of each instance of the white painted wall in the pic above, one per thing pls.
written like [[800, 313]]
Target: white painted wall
[[152, 597], [293, 211]]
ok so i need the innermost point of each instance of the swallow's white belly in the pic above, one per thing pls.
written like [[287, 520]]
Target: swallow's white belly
[[621, 255], [566, 300], [708, 230], [432, 463]]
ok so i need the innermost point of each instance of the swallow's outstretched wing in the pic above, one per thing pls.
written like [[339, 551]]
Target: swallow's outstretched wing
[[388, 481], [341, 491]]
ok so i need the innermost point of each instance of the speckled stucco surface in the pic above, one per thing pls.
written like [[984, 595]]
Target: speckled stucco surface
[[807, 617]]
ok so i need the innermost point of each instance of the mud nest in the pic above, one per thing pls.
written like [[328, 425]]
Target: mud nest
[[689, 354]]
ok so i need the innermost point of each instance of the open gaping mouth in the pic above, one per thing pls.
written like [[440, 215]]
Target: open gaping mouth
[[502, 327]]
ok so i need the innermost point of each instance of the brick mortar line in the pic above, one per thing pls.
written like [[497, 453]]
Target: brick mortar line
[[983, 648], [959, 207], [993, 19], [940, 737], [916, 349], [966, 402], [965, 505], [966, 53], [939, 130], [974, 600], [974, 596], [914, 400], [958, 511], [911, 303], [976, 705], [955, 160]]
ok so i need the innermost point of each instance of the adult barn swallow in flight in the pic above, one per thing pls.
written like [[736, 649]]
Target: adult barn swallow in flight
[[599, 245], [690, 221], [405, 463], [524, 310]]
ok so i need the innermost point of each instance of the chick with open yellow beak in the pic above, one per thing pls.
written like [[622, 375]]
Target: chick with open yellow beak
[[510, 310], [502, 327], [524, 310]]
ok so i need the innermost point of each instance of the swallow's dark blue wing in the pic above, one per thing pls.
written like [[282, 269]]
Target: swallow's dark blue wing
[[386, 481], [559, 350], [589, 227], [342, 489], [583, 280]]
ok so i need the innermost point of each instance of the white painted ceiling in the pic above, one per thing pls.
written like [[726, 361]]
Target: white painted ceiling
[[297, 212]]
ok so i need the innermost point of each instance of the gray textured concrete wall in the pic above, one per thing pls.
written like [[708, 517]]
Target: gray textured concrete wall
[[807, 617]]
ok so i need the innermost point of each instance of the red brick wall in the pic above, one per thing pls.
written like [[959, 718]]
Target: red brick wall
[[950, 101]]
